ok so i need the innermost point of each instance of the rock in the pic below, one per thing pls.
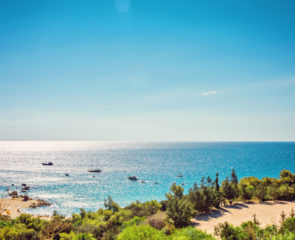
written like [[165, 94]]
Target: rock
[[41, 202], [13, 194]]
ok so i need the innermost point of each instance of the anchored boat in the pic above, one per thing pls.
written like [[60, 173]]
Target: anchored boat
[[47, 163], [94, 170]]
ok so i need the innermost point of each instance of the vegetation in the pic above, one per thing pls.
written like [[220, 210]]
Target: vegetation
[[168, 219], [251, 230]]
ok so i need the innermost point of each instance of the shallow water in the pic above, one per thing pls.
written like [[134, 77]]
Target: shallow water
[[20, 162]]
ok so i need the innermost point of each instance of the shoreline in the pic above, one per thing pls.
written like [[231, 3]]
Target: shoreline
[[13, 207], [267, 213]]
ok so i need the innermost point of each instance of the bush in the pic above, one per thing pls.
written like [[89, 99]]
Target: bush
[[73, 236], [179, 208], [144, 209], [190, 233], [157, 223], [141, 232], [288, 225], [133, 221], [15, 233], [228, 232]]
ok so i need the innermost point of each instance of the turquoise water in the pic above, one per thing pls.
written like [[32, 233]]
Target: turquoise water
[[20, 162]]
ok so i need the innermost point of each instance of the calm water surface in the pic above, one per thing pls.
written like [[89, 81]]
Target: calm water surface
[[20, 162]]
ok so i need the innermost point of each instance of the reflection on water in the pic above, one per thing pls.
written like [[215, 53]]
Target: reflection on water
[[20, 162]]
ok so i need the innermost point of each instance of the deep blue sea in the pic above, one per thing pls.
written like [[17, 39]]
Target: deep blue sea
[[20, 162]]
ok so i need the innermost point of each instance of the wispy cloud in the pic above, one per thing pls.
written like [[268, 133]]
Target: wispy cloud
[[213, 92]]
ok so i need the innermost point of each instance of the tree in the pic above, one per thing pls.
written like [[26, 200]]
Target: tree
[[111, 205], [205, 197], [234, 178], [246, 191], [179, 209], [217, 187], [286, 176], [261, 192], [176, 191], [228, 190], [288, 224], [228, 232]]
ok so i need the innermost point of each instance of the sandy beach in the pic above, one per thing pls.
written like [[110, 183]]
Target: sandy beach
[[13, 207], [267, 213]]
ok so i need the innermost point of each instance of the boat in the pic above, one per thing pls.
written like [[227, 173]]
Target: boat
[[132, 178], [25, 188], [94, 170], [47, 163], [179, 175]]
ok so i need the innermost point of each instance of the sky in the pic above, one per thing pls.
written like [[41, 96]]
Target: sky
[[147, 70]]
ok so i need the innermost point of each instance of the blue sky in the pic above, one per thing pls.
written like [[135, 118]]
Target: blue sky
[[147, 70]]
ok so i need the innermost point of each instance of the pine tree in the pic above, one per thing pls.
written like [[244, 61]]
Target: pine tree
[[179, 209], [234, 178], [111, 205], [217, 182]]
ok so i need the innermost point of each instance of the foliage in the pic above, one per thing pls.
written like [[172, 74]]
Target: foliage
[[179, 208], [142, 232], [145, 232], [190, 233], [111, 205], [227, 232], [144, 209], [146, 220]]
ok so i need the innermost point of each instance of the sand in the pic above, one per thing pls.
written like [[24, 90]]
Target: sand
[[13, 207], [266, 213]]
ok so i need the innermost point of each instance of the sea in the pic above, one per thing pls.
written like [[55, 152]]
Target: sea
[[156, 165]]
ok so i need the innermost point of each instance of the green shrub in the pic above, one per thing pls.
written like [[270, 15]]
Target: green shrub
[[141, 232], [227, 232], [190, 233], [133, 221]]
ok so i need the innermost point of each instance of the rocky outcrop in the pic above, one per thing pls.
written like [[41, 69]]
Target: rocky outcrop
[[13, 194]]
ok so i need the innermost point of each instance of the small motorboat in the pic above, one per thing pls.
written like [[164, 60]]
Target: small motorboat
[[133, 178], [179, 175], [25, 188], [94, 170], [47, 163]]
